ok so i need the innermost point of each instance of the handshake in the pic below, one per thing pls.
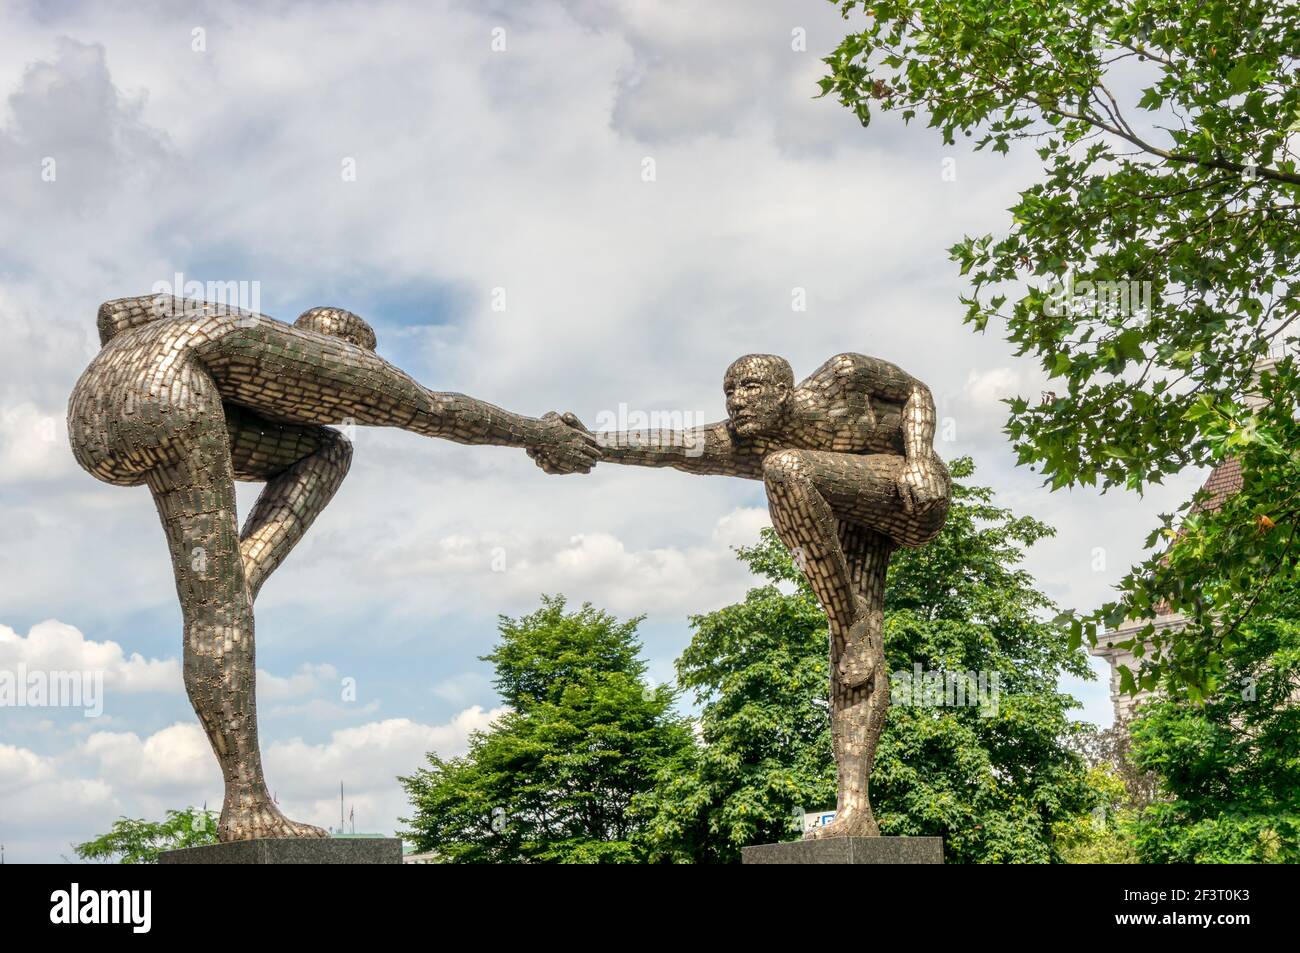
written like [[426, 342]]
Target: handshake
[[561, 444]]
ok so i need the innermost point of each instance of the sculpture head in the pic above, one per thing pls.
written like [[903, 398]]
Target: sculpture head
[[338, 323], [758, 389]]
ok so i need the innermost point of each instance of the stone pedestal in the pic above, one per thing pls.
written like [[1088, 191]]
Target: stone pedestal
[[849, 850], [298, 850]]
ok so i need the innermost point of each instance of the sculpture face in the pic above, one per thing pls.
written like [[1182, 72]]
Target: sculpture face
[[758, 390]]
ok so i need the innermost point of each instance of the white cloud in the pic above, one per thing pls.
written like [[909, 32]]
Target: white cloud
[[51, 802], [53, 646], [371, 749], [175, 758], [320, 711], [415, 572], [70, 128], [33, 444], [313, 691], [20, 768], [462, 688], [308, 680], [367, 759], [988, 388]]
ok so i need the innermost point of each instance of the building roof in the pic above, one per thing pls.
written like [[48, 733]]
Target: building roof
[[1221, 484]]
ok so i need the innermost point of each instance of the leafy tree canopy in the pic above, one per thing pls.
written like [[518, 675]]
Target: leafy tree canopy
[[132, 841], [1166, 130], [553, 779], [1228, 766]]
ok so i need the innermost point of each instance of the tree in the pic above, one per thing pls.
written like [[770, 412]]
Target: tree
[[552, 780], [760, 670], [1103, 835], [1228, 766], [1166, 131], [992, 779], [140, 842], [1109, 751]]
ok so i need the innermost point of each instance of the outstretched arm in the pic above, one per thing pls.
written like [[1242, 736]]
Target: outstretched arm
[[465, 419], [707, 449], [710, 449], [297, 375]]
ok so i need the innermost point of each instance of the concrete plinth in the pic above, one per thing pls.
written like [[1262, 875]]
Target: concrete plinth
[[297, 850], [849, 850]]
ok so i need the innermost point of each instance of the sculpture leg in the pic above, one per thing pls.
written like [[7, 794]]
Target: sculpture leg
[[805, 522], [858, 711], [302, 467], [195, 496], [809, 494]]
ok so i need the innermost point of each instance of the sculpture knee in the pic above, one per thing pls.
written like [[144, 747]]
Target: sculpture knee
[[337, 451], [121, 428], [783, 467], [923, 527], [123, 314]]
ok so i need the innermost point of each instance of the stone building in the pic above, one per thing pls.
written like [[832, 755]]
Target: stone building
[[1222, 483]]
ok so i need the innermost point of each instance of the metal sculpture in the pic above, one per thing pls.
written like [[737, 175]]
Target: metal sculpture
[[848, 462], [187, 397]]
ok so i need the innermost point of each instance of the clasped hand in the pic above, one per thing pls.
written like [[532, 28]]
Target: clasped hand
[[564, 445]]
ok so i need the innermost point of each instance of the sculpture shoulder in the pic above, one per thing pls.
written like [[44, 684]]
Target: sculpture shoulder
[[857, 376], [851, 404]]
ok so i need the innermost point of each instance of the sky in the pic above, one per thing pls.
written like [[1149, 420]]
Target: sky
[[581, 206]]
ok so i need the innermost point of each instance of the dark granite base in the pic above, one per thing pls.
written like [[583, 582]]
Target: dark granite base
[[849, 850], [298, 850]]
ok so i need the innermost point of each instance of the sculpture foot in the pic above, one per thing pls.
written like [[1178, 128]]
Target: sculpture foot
[[260, 818], [850, 822]]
